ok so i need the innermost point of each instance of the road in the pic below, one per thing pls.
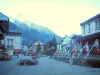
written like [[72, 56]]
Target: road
[[46, 66]]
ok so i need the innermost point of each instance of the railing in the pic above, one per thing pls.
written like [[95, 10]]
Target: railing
[[90, 57]]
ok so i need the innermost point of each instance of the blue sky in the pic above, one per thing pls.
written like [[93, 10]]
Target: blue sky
[[61, 16]]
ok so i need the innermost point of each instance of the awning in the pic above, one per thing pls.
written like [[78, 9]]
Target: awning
[[96, 35]]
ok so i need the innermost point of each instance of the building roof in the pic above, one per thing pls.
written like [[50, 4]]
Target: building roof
[[38, 42], [91, 19], [76, 37], [13, 32], [3, 17], [14, 28]]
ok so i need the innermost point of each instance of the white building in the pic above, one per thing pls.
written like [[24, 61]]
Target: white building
[[13, 41], [35, 46], [91, 32], [58, 45], [91, 25], [66, 42]]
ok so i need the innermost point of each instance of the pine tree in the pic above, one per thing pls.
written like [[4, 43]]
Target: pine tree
[[46, 49], [52, 46], [54, 43], [54, 40]]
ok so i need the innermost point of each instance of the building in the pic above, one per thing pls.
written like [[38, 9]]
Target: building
[[38, 47], [13, 41], [25, 49], [76, 40], [59, 45], [66, 43], [91, 26], [4, 25], [90, 33]]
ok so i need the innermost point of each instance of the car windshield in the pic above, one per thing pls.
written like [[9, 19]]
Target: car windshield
[[49, 37]]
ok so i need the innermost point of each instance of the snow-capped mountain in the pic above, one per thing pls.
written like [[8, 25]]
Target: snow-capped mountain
[[20, 20], [32, 32], [39, 28]]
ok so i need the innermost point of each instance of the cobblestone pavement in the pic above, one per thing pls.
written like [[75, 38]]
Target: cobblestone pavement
[[46, 66]]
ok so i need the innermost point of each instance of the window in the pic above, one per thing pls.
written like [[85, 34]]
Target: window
[[83, 29], [7, 42], [10, 42], [97, 23], [89, 28]]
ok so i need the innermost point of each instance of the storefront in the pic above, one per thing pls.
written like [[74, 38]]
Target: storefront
[[91, 40]]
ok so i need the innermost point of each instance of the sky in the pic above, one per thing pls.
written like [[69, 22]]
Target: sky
[[61, 16]]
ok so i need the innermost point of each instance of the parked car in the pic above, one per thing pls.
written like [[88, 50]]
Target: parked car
[[27, 61], [5, 56]]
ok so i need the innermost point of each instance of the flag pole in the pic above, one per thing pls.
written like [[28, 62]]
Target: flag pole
[[77, 50], [89, 51], [82, 50], [67, 51]]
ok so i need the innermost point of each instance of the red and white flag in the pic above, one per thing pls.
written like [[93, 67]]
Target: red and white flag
[[86, 47]]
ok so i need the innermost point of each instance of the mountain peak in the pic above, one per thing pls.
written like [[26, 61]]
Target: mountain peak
[[31, 31]]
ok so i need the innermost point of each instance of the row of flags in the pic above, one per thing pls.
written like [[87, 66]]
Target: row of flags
[[86, 48], [78, 49]]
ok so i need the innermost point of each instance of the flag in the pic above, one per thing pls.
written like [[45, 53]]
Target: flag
[[96, 45], [55, 53], [80, 48], [74, 49], [66, 51], [98, 50], [60, 53], [86, 47]]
